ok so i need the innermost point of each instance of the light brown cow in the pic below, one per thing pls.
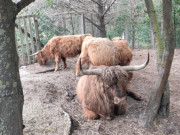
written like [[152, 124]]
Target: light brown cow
[[102, 91], [103, 51], [60, 47]]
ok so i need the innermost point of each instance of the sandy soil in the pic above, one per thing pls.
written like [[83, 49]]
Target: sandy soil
[[47, 94]]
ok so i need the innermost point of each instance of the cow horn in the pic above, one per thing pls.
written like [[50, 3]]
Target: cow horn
[[136, 67], [34, 53], [96, 71]]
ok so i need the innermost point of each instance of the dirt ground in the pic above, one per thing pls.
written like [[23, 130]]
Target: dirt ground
[[47, 94]]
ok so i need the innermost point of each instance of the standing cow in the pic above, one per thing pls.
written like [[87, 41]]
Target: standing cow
[[60, 47], [102, 91], [103, 51]]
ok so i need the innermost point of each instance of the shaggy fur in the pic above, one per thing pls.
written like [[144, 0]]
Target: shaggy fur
[[61, 47], [97, 93], [123, 52], [103, 51]]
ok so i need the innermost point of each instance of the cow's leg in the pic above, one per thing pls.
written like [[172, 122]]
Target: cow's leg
[[64, 61], [83, 61], [57, 60], [89, 114], [107, 117], [120, 109], [87, 65], [134, 95]]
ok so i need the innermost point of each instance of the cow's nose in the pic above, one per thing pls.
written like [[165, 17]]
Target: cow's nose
[[118, 100]]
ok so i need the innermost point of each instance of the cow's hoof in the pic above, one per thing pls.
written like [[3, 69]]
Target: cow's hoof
[[108, 118], [78, 74], [140, 98]]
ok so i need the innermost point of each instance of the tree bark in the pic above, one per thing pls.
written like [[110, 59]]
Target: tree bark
[[132, 23], [101, 19], [11, 94], [133, 36], [92, 28], [64, 24], [158, 34], [82, 24], [127, 31], [147, 118], [156, 30], [72, 24], [152, 40]]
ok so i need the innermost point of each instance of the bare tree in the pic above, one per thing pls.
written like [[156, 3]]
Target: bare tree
[[159, 100], [98, 8], [11, 94]]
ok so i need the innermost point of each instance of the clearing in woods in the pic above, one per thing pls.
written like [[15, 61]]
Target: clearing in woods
[[46, 95]]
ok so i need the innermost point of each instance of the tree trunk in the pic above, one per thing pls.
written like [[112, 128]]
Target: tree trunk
[[162, 27], [11, 94], [82, 24], [133, 36], [92, 27], [101, 19], [127, 32], [146, 119], [64, 24], [72, 24], [158, 34], [165, 101], [152, 40], [156, 30], [132, 23]]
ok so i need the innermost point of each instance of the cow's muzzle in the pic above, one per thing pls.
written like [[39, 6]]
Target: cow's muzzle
[[119, 100]]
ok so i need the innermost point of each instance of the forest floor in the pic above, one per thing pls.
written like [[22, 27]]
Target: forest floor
[[49, 97]]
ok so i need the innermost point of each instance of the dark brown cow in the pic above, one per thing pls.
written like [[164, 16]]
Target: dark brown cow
[[102, 91]]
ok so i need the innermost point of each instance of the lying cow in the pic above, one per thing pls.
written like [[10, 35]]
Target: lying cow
[[60, 47], [103, 51], [102, 90]]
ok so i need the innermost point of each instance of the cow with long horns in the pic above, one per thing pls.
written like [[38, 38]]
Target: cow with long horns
[[60, 47], [102, 90]]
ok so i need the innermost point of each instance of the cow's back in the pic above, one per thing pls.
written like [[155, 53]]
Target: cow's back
[[101, 52], [66, 46], [123, 52]]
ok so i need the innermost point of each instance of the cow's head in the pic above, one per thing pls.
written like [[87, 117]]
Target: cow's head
[[40, 57], [115, 79]]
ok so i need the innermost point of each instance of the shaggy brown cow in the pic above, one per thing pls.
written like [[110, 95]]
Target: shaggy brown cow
[[102, 91], [103, 51], [60, 47], [123, 51]]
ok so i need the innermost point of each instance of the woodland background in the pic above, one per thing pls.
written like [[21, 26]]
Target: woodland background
[[124, 18]]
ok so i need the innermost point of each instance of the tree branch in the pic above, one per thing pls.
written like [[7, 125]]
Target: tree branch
[[84, 8], [104, 2], [22, 4], [79, 12], [96, 2], [109, 20], [97, 26], [108, 7]]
